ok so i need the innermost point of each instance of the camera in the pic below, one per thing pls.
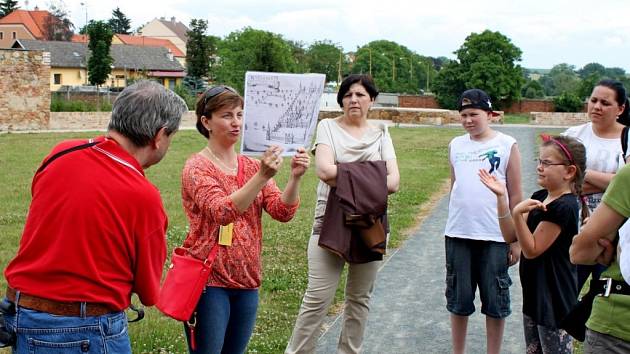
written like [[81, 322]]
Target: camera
[[7, 337]]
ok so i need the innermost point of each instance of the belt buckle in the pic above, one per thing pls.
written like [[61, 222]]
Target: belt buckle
[[607, 287]]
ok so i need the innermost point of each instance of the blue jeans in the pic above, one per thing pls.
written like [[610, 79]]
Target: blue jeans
[[224, 321], [40, 332]]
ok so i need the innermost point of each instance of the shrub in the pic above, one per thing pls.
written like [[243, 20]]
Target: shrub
[[58, 104], [568, 102], [183, 92]]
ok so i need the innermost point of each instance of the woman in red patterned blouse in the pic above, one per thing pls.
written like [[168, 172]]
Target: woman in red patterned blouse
[[224, 194]]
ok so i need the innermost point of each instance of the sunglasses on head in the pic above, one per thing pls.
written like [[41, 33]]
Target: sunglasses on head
[[215, 91]]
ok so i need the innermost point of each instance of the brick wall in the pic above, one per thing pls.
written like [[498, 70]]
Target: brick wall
[[417, 101], [530, 105], [25, 90]]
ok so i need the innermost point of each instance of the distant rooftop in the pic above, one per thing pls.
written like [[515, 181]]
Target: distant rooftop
[[131, 57]]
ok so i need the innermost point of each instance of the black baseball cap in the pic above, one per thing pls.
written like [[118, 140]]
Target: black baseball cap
[[475, 98]]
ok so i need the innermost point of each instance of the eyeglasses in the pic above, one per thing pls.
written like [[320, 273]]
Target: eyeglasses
[[215, 91], [546, 163]]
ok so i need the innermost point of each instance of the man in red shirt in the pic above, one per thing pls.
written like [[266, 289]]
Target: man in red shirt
[[95, 231]]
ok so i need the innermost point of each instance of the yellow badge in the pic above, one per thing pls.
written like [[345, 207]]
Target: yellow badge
[[225, 234]]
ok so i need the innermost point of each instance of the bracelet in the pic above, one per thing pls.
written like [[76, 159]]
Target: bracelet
[[507, 215]]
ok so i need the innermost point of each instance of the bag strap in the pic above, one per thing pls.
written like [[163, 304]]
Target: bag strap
[[90, 143], [624, 139]]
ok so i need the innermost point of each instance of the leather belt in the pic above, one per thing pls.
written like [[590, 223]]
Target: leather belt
[[57, 307], [607, 286]]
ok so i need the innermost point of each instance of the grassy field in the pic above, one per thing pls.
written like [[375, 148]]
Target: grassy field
[[516, 119], [422, 160]]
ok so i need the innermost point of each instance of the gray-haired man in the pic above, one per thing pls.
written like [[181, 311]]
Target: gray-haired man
[[95, 231]]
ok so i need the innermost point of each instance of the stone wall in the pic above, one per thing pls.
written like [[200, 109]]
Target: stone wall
[[557, 118], [25, 88], [409, 115], [97, 120]]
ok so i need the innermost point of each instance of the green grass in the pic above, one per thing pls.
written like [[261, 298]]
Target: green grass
[[422, 158], [516, 119]]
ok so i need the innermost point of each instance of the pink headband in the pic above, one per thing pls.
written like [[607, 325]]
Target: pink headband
[[564, 149]]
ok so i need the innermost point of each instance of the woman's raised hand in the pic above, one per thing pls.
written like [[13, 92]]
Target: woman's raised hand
[[300, 162], [271, 161], [497, 187]]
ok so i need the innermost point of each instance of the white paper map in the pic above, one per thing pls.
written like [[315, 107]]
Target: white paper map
[[280, 109]]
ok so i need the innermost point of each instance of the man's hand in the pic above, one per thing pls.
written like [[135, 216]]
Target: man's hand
[[606, 256], [515, 254]]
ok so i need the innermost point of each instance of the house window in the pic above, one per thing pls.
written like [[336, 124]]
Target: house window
[[171, 84], [1, 35], [14, 35], [57, 79]]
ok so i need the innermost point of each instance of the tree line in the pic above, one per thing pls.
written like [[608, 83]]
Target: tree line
[[487, 60]]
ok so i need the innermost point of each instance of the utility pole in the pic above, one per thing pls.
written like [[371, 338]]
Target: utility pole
[[339, 70], [84, 4], [370, 49], [428, 71]]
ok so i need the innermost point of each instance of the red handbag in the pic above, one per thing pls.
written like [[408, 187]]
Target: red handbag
[[185, 280]]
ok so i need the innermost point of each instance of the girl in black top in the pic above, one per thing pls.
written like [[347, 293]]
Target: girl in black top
[[544, 226]]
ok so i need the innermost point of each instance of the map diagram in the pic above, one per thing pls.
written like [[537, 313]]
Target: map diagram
[[280, 109]]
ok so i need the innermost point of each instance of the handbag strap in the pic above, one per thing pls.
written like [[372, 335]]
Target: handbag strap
[[213, 254], [66, 151]]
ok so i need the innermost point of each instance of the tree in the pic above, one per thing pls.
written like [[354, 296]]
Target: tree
[[592, 69], [562, 78], [99, 63], [486, 61], [533, 89], [197, 51], [394, 67], [57, 26], [298, 50], [255, 50], [327, 58], [448, 85], [7, 6], [119, 23], [213, 45]]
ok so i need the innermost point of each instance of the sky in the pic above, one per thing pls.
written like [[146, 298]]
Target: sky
[[548, 32]]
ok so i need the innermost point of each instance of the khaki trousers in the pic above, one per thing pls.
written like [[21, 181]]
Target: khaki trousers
[[324, 271]]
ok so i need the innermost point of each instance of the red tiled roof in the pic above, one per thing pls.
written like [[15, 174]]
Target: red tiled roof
[[79, 38], [150, 42], [34, 21]]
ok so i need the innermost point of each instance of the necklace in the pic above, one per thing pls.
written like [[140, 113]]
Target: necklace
[[225, 166]]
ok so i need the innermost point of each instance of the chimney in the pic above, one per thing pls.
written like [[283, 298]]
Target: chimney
[[169, 55], [173, 20]]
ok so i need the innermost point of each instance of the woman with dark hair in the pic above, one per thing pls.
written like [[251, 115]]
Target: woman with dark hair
[[224, 194], [343, 140], [608, 111]]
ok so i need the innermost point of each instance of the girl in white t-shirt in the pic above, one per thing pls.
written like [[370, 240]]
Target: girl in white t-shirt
[[608, 112]]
